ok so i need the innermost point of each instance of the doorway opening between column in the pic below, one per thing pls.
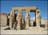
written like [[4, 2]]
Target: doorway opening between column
[[8, 19], [33, 18]]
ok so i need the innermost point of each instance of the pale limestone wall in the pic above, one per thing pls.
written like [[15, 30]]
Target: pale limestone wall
[[43, 21], [46, 24], [3, 20]]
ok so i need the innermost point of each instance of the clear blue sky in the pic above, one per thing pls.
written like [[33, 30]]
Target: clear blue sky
[[6, 6]]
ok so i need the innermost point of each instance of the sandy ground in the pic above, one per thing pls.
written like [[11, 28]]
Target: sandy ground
[[31, 30]]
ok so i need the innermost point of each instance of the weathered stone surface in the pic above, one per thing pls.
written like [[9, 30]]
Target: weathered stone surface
[[17, 22], [19, 17], [3, 19]]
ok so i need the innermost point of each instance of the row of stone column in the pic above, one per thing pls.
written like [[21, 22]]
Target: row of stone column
[[20, 20]]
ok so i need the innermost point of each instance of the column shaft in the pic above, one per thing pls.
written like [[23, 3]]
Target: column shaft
[[19, 20], [27, 20], [38, 19]]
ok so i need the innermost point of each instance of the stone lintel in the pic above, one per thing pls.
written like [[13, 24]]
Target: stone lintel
[[24, 8]]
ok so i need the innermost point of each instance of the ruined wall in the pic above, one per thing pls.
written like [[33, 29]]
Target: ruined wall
[[3, 19]]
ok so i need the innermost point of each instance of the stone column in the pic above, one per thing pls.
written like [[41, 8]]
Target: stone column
[[38, 18], [10, 22], [19, 20], [27, 20], [11, 19]]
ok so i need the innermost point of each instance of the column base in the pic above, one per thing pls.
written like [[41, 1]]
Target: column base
[[18, 28]]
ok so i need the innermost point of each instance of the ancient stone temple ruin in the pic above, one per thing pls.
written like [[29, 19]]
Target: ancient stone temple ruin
[[16, 20]]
